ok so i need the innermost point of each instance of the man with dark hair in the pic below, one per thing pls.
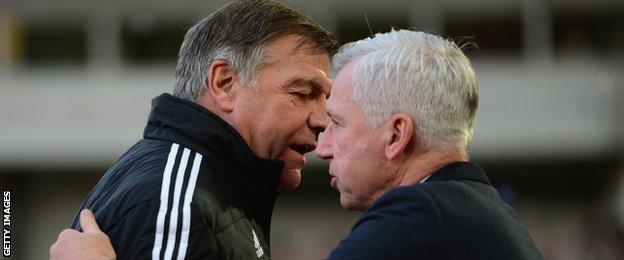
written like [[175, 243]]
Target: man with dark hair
[[249, 101]]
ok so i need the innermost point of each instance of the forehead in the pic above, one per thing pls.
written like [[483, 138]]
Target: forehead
[[300, 63], [342, 86], [289, 48]]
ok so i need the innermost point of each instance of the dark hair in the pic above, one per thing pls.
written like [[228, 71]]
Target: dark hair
[[239, 33]]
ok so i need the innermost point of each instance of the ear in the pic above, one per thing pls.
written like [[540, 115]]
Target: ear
[[219, 85], [399, 133]]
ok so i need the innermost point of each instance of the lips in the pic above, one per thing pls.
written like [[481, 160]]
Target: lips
[[334, 180], [295, 156], [294, 160], [303, 148]]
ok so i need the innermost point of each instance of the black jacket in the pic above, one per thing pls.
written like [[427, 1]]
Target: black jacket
[[191, 188], [454, 214]]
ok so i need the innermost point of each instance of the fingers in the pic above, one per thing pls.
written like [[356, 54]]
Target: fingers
[[57, 248], [88, 223], [54, 251]]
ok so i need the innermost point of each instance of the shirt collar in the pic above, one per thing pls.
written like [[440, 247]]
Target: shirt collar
[[459, 171]]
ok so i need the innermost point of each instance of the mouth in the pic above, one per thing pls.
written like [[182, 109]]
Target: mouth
[[303, 148], [295, 158], [333, 181]]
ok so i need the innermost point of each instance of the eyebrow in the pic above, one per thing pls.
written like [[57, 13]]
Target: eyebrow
[[333, 115]]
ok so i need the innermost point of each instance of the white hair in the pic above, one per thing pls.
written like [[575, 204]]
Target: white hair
[[420, 74]]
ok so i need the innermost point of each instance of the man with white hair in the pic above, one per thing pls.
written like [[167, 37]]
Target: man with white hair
[[402, 111]]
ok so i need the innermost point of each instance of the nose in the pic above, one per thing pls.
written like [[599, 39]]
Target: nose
[[318, 120], [324, 149]]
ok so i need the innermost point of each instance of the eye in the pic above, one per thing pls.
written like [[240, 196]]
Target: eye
[[302, 96], [333, 121]]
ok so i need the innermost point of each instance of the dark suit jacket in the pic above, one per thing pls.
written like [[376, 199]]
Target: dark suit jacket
[[454, 214]]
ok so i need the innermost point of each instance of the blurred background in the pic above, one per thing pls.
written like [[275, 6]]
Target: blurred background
[[77, 77]]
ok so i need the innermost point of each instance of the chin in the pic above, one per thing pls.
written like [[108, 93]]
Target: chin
[[289, 180], [351, 205]]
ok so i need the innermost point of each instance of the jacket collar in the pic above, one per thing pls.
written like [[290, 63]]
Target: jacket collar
[[459, 171], [191, 125]]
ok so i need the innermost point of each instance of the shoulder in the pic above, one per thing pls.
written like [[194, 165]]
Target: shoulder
[[402, 223], [466, 205], [140, 172], [403, 196], [461, 199], [407, 207], [151, 170], [475, 216]]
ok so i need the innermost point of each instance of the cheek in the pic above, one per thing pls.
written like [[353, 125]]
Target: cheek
[[360, 160], [283, 126], [355, 149], [349, 161], [283, 114], [278, 128]]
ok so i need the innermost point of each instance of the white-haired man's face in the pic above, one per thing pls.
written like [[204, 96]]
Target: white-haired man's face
[[354, 150]]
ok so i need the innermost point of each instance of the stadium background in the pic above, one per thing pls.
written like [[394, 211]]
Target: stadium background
[[76, 79]]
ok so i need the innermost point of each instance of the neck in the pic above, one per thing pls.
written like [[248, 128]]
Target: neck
[[419, 165]]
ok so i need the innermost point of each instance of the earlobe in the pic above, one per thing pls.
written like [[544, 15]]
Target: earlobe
[[400, 130], [219, 85]]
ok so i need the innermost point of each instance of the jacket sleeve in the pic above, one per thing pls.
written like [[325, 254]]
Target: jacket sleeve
[[400, 225], [141, 234]]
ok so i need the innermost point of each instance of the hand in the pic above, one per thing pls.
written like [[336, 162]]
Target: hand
[[92, 243]]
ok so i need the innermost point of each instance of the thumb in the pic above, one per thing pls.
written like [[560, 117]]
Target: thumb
[[87, 222]]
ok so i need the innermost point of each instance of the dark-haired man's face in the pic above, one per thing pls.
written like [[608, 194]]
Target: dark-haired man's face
[[282, 116]]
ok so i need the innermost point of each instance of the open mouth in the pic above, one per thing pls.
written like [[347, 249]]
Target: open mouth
[[303, 148]]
